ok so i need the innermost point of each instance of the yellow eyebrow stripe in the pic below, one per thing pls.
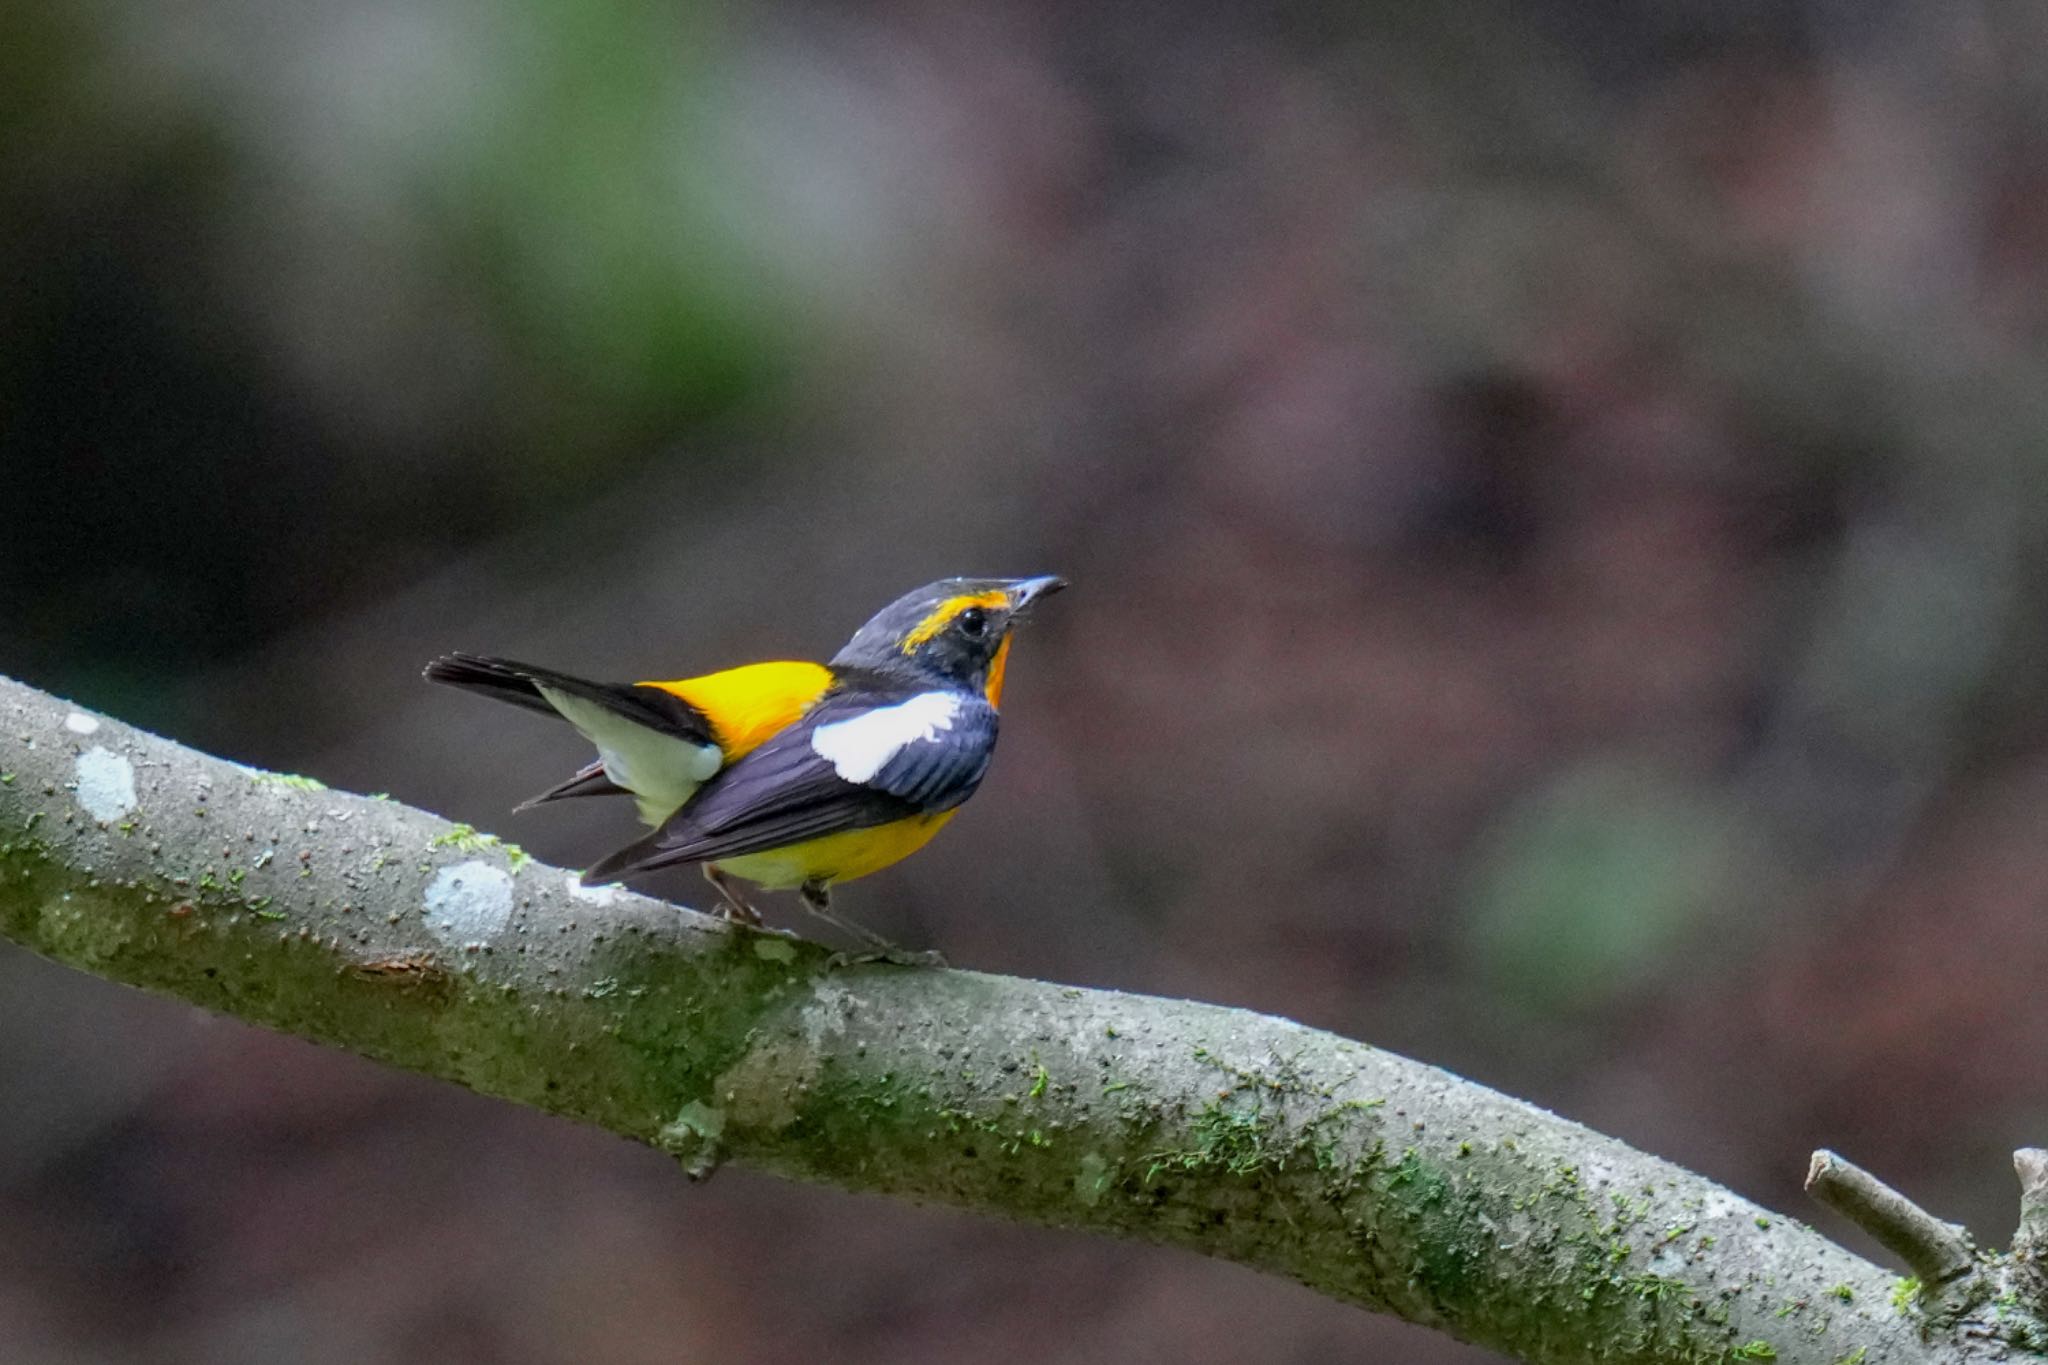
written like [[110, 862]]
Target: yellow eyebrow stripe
[[943, 613], [748, 705]]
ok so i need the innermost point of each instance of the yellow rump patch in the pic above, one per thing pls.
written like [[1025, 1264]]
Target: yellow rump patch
[[836, 857], [950, 608], [748, 705]]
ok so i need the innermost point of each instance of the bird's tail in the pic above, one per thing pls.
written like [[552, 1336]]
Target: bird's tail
[[500, 678], [649, 741], [522, 684], [590, 780]]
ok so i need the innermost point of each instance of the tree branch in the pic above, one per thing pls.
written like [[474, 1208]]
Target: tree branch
[[1376, 1180]]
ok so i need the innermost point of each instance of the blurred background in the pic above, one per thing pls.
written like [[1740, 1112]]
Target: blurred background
[[1554, 492]]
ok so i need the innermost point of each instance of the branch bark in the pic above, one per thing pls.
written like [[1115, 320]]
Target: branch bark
[[1377, 1180], [2030, 1240]]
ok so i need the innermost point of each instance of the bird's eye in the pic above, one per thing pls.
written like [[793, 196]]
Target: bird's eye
[[973, 623]]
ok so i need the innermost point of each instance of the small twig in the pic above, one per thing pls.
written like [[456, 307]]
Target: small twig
[[1935, 1251], [2030, 1241], [2032, 1165]]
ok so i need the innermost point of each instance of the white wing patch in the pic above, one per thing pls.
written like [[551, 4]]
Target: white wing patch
[[662, 771], [860, 747]]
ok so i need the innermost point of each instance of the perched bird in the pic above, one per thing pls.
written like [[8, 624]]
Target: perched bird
[[786, 774]]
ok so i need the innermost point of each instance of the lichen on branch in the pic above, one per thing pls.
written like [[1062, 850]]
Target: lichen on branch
[[1377, 1180]]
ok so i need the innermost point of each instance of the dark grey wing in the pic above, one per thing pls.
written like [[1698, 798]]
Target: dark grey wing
[[848, 764]]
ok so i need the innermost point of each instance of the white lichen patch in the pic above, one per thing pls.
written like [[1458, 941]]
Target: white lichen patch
[[79, 723], [824, 1018], [468, 903], [695, 1123], [591, 895], [105, 785], [693, 1138], [770, 949]]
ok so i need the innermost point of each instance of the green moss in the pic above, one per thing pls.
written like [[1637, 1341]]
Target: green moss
[[83, 929], [1657, 1288], [1905, 1293], [1843, 1292], [1854, 1357], [1226, 1137], [462, 836], [469, 840], [1093, 1178], [1754, 1350], [1449, 1231], [863, 1120], [1628, 1211]]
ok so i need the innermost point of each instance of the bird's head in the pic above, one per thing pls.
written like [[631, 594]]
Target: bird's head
[[956, 630]]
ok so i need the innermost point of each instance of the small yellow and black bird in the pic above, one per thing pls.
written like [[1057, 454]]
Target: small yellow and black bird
[[786, 774]]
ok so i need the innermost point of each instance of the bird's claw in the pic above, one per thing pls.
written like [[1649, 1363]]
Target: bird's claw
[[737, 914]]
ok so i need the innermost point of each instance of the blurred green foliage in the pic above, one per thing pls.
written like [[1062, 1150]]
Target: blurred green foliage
[[1589, 887], [581, 193]]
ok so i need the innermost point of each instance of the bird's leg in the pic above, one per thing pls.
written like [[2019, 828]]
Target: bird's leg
[[817, 899], [733, 903]]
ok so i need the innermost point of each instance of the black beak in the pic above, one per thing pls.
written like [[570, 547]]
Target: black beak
[[1025, 591]]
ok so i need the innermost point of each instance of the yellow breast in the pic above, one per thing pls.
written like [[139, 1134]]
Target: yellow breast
[[837, 857]]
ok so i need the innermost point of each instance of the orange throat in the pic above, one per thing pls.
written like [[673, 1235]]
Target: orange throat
[[996, 666]]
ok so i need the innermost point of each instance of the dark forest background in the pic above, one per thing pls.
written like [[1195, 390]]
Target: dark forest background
[[1555, 499]]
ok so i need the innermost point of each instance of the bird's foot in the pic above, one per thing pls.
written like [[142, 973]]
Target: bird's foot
[[817, 898], [732, 904]]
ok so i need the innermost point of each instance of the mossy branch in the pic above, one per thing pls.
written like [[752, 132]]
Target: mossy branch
[[1374, 1179]]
